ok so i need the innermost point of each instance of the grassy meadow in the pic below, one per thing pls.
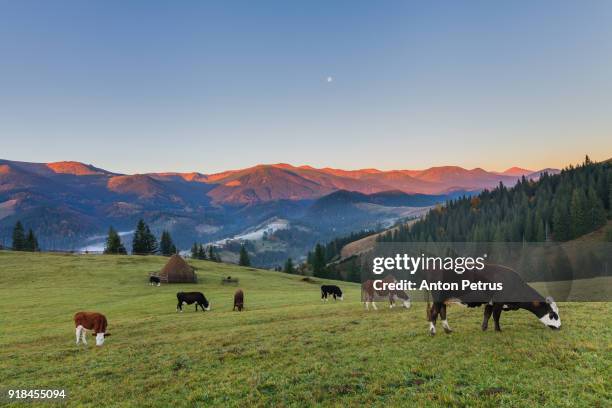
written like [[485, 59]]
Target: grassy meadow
[[286, 349]]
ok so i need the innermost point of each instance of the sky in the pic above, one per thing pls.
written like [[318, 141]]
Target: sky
[[206, 86]]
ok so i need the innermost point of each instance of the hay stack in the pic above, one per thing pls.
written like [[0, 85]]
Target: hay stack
[[177, 270]]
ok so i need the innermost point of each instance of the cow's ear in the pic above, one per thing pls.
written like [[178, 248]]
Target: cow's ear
[[549, 300]]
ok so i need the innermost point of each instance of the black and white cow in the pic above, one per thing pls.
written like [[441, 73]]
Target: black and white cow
[[516, 294], [190, 298], [331, 290], [154, 280]]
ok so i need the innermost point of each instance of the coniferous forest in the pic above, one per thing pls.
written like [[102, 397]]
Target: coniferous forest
[[554, 208]]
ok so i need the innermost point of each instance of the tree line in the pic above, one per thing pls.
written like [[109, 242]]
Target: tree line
[[558, 207], [143, 242], [23, 241], [199, 251]]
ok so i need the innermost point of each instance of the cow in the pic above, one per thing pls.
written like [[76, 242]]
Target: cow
[[96, 322], [515, 294], [190, 298], [239, 300], [331, 290], [368, 294], [154, 280]]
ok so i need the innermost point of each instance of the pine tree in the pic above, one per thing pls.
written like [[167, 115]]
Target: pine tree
[[139, 245], [289, 266], [194, 251], [318, 262], [166, 246], [211, 254], [31, 242], [579, 224], [113, 243], [144, 242], [244, 257], [202, 252], [561, 223], [596, 213], [18, 237]]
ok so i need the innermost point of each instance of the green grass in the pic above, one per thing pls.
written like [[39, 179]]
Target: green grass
[[286, 349]]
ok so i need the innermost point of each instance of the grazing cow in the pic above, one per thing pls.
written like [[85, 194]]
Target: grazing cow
[[331, 290], [239, 300], [154, 280], [368, 293], [96, 322], [190, 298], [516, 294]]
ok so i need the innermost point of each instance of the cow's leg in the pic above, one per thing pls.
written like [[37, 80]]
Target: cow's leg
[[487, 315], [158, 283], [179, 306], [497, 309], [447, 328], [202, 307], [78, 333], [390, 301], [435, 309], [196, 305], [84, 335]]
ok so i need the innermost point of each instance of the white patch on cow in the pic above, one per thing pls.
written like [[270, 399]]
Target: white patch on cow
[[158, 284], [341, 297], [373, 305], [547, 320], [99, 339], [366, 305], [432, 328], [445, 324], [407, 304], [208, 308]]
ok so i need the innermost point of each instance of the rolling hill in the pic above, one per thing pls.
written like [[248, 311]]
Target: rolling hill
[[287, 349]]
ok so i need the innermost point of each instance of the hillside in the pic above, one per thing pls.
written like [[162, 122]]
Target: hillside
[[287, 348]]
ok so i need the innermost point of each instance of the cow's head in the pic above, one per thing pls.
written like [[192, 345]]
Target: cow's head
[[339, 294], [207, 304], [403, 296], [100, 338], [549, 314]]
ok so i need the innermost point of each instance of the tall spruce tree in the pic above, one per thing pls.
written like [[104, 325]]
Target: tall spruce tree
[[212, 256], [144, 242], [289, 266], [318, 262], [113, 243], [166, 246], [244, 259], [202, 252], [31, 242], [194, 250], [18, 237]]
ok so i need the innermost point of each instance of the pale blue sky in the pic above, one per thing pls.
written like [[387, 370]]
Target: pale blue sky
[[138, 86]]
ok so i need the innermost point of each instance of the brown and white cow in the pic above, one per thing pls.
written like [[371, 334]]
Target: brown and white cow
[[96, 322], [369, 292]]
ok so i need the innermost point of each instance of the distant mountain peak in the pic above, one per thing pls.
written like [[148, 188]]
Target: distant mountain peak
[[516, 171], [75, 168]]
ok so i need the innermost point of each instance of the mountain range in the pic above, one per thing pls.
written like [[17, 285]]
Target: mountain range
[[69, 203]]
